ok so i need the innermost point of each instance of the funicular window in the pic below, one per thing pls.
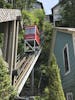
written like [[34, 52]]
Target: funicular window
[[30, 31]]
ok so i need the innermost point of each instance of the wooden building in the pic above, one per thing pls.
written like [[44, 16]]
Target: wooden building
[[9, 29], [64, 50]]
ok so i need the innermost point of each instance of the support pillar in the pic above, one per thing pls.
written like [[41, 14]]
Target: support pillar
[[11, 51], [15, 50], [16, 44], [5, 40], [32, 81]]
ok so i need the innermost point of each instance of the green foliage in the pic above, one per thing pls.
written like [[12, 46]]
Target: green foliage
[[23, 4], [68, 13], [39, 14], [47, 31], [29, 18], [55, 87], [1, 40], [2, 3], [46, 42], [36, 17], [53, 90], [8, 5], [6, 90], [20, 46], [41, 74], [18, 4], [29, 3], [20, 42]]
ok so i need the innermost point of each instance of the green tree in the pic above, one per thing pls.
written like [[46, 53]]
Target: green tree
[[53, 89], [6, 90], [55, 86], [18, 4], [68, 13], [46, 37], [22, 4], [42, 63], [47, 31], [33, 17], [1, 39], [29, 3], [29, 18], [2, 3], [39, 14]]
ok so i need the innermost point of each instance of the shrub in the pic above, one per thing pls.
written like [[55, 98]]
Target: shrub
[[6, 90]]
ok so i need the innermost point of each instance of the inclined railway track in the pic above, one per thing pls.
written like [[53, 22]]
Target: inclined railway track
[[22, 68]]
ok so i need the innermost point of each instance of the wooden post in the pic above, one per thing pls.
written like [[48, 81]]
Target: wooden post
[[5, 40]]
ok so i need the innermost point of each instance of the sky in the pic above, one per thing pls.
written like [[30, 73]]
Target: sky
[[48, 4]]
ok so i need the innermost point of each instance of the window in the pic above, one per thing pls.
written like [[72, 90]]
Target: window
[[30, 30], [69, 96], [66, 59]]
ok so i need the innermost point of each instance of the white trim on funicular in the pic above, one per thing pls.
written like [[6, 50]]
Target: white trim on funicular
[[66, 46]]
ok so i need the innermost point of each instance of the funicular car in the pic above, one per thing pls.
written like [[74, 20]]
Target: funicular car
[[31, 38]]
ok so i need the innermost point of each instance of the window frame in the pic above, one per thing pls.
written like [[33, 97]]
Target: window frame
[[69, 93], [66, 72], [73, 37]]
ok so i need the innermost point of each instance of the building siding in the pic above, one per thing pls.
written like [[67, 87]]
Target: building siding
[[68, 80]]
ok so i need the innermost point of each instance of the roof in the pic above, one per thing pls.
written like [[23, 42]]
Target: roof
[[56, 6], [62, 29], [40, 4], [9, 14], [65, 29]]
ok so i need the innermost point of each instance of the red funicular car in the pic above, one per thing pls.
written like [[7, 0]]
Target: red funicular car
[[32, 37]]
